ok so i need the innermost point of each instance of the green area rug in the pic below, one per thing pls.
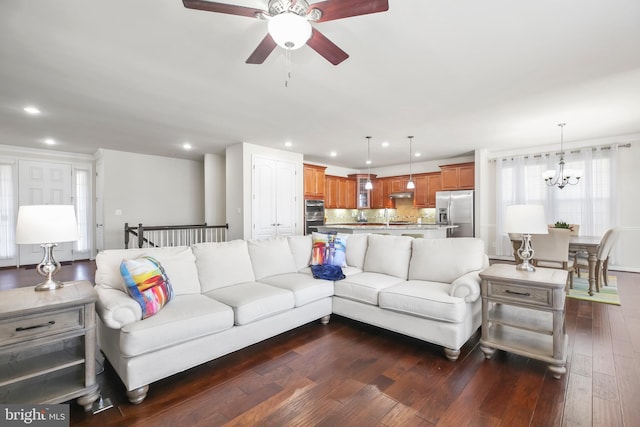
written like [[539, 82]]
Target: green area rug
[[607, 294]]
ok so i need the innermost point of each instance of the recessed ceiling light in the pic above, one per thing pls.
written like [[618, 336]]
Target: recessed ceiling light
[[186, 146], [385, 144], [50, 141], [29, 109], [368, 162], [333, 154], [288, 144], [417, 155]]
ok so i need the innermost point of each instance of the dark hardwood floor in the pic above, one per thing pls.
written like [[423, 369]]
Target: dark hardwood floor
[[347, 373]]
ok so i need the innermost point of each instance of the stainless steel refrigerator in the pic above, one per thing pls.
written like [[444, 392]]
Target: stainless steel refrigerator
[[456, 208]]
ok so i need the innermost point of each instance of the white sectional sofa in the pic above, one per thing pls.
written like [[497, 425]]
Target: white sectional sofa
[[230, 295]]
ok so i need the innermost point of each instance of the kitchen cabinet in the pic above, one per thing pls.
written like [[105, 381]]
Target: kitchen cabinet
[[434, 184], [340, 192], [398, 184], [460, 176], [274, 204], [379, 194], [420, 192], [314, 181], [362, 195]]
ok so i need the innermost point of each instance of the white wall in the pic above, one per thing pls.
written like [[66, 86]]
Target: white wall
[[214, 189], [151, 190], [625, 255]]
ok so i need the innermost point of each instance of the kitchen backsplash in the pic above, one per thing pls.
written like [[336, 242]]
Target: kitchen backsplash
[[404, 211]]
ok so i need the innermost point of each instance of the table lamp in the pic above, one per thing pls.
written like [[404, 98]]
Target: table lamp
[[525, 220], [46, 225]]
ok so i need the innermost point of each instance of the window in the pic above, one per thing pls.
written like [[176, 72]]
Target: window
[[82, 197], [592, 203], [7, 212]]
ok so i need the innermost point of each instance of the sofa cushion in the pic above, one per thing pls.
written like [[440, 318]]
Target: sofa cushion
[[186, 317], [329, 249], [388, 255], [147, 283], [356, 250], [254, 301], [178, 262], [444, 260], [430, 300], [364, 287], [270, 257], [301, 249], [223, 264], [304, 287]]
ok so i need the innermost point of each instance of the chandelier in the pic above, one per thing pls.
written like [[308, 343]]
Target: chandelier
[[564, 176]]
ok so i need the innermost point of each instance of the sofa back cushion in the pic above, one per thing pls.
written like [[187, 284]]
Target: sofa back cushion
[[301, 249], [223, 264], [388, 255], [178, 262], [356, 249], [270, 257], [444, 260]]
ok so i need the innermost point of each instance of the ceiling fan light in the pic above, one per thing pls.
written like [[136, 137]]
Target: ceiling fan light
[[289, 31]]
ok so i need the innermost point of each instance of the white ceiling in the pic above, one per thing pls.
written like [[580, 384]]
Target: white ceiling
[[147, 75]]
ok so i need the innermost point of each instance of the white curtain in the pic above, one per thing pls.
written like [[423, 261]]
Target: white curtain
[[592, 203], [7, 212]]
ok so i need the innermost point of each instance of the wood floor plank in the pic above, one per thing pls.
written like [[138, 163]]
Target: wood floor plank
[[578, 404]]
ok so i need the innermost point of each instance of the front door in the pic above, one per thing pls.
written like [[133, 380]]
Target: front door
[[42, 183]]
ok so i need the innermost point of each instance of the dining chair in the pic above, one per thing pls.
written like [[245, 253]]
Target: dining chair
[[602, 258], [552, 251]]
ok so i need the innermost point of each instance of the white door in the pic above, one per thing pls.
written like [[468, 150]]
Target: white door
[[286, 199], [41, 183], [274, 198], [263, 203]]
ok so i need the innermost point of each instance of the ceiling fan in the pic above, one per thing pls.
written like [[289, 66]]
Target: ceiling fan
[[289, 23]]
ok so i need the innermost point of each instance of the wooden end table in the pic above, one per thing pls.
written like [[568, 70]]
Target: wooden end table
[[48, 345], [523, 313]]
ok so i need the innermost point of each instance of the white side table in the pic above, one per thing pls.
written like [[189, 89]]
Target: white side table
[[48, 345], [523, 313]]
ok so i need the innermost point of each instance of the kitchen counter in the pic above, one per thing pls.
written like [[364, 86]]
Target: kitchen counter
[[432, 231]]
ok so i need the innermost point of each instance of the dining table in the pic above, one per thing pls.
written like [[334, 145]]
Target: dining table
[[588, 244]]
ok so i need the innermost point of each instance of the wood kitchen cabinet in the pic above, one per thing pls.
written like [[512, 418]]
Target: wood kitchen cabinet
[[434, 184], [420, 192], [460, 176], [314, 181], [339, 192]]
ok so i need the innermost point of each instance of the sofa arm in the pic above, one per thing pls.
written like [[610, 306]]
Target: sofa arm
[[115, 308], [466, 287]]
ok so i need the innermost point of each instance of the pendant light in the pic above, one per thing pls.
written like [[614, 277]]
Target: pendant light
[[410, 184], [368, 185]]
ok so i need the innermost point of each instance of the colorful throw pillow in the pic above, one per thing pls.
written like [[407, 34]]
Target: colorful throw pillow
[[327, 272], [147, 283], [329, 249]]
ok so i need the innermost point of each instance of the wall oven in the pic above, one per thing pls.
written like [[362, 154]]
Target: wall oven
[[313, 215]]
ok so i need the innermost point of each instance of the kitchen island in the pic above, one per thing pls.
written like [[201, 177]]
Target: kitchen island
[[429, 231]]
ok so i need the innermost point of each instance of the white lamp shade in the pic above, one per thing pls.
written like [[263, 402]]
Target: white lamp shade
[[525, 219], [289, 30], [46, 224]]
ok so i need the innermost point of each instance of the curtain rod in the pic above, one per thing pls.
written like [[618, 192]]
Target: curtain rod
[[557, 153]]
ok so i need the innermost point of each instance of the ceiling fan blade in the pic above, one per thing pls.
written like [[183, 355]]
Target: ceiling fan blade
[[326, 48], [337, 9], [222, 8], [263, 50]]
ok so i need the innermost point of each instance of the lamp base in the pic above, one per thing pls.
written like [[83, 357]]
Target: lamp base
[[49, 285], [525, 266]]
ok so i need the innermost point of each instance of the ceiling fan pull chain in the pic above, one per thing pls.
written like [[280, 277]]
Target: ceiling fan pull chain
[[288, 60]]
